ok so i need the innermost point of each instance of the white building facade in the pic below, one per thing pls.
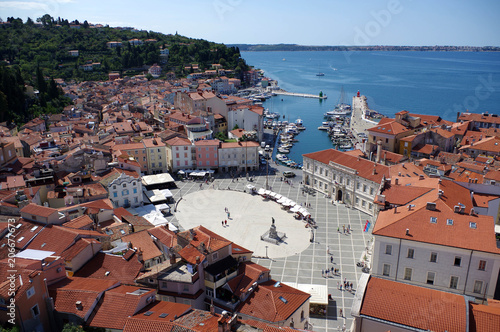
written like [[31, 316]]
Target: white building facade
[[125, 191]]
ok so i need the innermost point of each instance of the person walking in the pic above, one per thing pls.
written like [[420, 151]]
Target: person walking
[[331, 259], [341, 313], [222, 223]]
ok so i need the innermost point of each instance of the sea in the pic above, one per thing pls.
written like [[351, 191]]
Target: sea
[[436, 83]]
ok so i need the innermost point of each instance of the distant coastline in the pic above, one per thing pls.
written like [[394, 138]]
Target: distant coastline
[[294, 47]]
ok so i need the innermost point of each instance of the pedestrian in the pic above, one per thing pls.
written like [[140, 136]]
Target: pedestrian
[[331, 259], [340, 287], [338, 229], [222, 223], [225, 222], [345, 279], [341, 313], [351, 285], [228, 215], [328, 250], [323, 273]]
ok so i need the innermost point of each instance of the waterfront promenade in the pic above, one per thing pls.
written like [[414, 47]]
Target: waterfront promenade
[[295, 261]]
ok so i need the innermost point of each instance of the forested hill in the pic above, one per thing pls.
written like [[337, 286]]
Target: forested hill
[[47, 43]]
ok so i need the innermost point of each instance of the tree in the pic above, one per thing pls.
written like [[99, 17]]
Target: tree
[[72, 328]]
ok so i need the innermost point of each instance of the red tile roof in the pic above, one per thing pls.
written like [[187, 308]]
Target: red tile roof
[[143, 241], [78, 247], [53, 238], [211, 240], [164, 235], [417, 307], [482, 200], [126, 271], [190, 254], [86, 290], [458, 235], [273, 304], [38, 210], [82, 222], [484, 318], [363, 166], [116, 306], [389, 128], [157, 308]]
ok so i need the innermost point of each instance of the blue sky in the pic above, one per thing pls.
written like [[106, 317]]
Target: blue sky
[[311, 22]]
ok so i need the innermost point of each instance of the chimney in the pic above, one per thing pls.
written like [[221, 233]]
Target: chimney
[[79, 305], [396, 181], [395, 209], [379, 151], [472, 211], [197, 259], [139, 255], [374, 169], [407, 231], [172, 258]]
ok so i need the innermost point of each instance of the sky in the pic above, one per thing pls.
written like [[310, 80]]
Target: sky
[[304, 22]]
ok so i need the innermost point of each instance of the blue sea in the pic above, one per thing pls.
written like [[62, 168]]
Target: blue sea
[[437, 83]]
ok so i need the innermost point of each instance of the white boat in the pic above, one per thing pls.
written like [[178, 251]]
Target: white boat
[[299, 122], [283, 150], [323, 128]]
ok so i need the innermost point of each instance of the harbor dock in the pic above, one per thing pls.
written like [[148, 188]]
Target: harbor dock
[[305, 95]]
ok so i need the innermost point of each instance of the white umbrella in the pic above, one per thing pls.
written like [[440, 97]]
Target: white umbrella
[[295, 208], [282, 200], [278, 197], [267, 192], [261, 191]]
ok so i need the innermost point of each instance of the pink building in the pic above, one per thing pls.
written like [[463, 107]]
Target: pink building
[[206, 154], [180, 154]]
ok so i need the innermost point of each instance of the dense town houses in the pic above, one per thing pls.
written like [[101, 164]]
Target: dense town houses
[[89, 189]]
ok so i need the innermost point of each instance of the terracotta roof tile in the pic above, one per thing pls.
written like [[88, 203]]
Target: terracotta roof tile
[[363, 166], [86, 290], [82, 222], [273, 304], [118, 268], [53, 238], [414, 306], [38, 210], [484, 318], [143, 241], [116, 306], [164, 235], [417, 220], [78, 247]]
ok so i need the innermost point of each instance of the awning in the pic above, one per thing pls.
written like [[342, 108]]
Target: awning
[[296, 208], [278, 196], [261, 191], [267, 192], [251, 187], [181, 172], [282, 200]]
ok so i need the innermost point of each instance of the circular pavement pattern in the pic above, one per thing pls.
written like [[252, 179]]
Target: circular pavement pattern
[[250, 217]]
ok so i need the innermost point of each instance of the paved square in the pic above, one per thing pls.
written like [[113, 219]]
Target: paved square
[[306, 265]]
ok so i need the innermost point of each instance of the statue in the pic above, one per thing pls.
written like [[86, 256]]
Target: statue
[[273, 220]]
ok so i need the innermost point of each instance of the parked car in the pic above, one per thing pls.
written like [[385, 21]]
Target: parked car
[[288, 174]]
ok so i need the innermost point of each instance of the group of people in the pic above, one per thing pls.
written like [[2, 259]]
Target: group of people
[[345, 230], [347, 285]]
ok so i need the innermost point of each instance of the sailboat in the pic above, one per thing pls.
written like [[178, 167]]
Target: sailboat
[[341, 108], [320, 73]]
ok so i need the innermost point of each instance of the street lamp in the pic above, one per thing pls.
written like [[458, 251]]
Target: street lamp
[[266, 253]]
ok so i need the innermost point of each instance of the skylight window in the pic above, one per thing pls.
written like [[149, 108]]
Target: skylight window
[[449, 222], [20, 239], [163, 315], [434, 220], [34, 228], [148, 313], [472, 225], [285, 301]]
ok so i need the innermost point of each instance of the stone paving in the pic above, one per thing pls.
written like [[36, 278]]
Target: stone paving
[[304, 261]]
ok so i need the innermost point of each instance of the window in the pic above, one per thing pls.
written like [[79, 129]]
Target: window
[[136, 200], [125, 192], [453, 282], [434, 220], [357, 200], [387, 270], [153, 165], [143, 158], [472, 225], [388, 249], [124, 185], [35, 311], [411, 253], [434, 257], [358, 185], [114, 187], [482, 265], [215, 256], [458, 261], [348, 182], [363, 203], [326, 172], [449, 222], [408, 273], [478, 286], [371, 190], [160, 164], [186, 288], [430, 278], [122, 231], [135, 190], [115, 194], [30, 292], [134, 183], [364, 188]]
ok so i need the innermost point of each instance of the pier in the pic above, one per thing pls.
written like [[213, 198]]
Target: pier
[[305, 95]]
